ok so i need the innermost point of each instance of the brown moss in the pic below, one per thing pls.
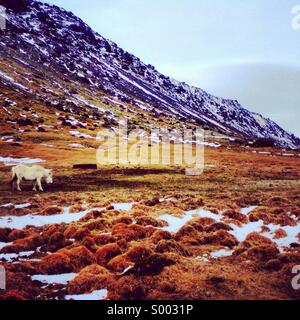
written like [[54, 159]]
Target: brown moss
[[70, 232], [128, 288], [233, 221], [280, 233], [53, 210], [56, 263], [290, 257], [4, 234], [295, 212], [187, 233], [256, 216], [167, 287], [152, 202], [220, 237], [27, 244], [102, 239], [48, 231], [89, 243], [93, 277], [171, 246], [55, 238], [146, 262], [284, 220], [276, 211], [25, 267], [160, 235], [96, 224], [67, 260], [124, 220], [262, 253], [256, 239], [273, 265], [96, 213], [18, 234], [265, 229], [212, 210], [107, 252], [89, 216], [123, 244], [193, 203], [148, 221], [200, 223], [81, 233], [276, 216], [119, 263], [217, 226], [277, 201], [131, 232], [232, 214], [257, 247], [76, 208], [56, 241], [14, 294]]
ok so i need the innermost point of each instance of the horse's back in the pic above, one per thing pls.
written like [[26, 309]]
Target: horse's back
[[19, 168], [37, 167], [23, 169]]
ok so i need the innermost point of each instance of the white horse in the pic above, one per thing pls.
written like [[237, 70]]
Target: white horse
[[31, 173]]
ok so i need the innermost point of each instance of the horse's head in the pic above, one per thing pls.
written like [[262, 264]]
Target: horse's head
[[49, 176]]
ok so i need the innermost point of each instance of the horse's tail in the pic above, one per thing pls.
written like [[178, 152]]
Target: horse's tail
[[14, 178]]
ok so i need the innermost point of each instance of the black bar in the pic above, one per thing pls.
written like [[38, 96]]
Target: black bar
[[187, 309]]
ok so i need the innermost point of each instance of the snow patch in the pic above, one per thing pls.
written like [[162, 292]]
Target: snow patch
[[221, 253], [76, 145], [8, 161], [95, 295], [248, 209], [123, 206], [17, 206], [22, 206], [242, 232], [9, 257], [4, 244], [176, 223], [239, 232], [81, 135], [54, 279], [21, 222], [13, 81]]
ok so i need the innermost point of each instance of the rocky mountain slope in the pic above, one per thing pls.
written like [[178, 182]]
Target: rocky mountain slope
[[58, 53]]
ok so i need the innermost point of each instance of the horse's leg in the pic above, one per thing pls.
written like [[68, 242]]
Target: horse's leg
[[34, 186], [18, 184], [39, 182], [12, 181]]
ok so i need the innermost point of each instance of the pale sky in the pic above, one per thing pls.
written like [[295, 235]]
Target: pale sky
[[245, 50]]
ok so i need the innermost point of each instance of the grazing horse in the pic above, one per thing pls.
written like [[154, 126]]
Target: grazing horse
[[31, 173]]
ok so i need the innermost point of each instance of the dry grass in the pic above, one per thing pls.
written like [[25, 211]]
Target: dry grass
[[163, 265]]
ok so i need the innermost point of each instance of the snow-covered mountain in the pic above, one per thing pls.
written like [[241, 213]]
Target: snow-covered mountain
[[57, 42]]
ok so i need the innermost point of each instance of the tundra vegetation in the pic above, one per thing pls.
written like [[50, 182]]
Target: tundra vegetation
[[128, 250]]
